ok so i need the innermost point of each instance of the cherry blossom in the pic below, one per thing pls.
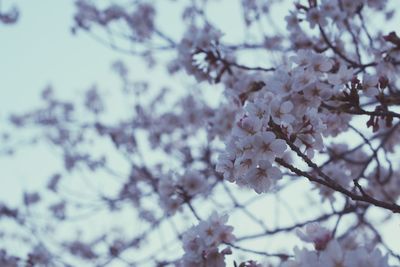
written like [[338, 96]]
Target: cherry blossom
[[281, 115], [333, 253], [369, 85], [201, 242]]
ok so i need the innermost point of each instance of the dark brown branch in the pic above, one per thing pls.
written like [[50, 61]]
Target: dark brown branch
[[341, 55], [324, 217], [328, 182]]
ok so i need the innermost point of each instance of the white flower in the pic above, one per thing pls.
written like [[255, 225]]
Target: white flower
[[302, 103], [315, 233], [193, 182], [247, 126], [303, 258], [282, 83], [268, 147], [246, 147], [321, 63], [225, 235], [193, 245], [303, 58], [201, 242], [259, 109], [244, 164], [343, 76], [370, 85], [315, 17], [217, 219], [292, 22], [329, 7], [166, 186], [214, 231], [280, 111], [304, 78], [363, 258], [208, 233], [333, 255], [171, 204], [338, 18], [225, 166], [262, 177], [338, 255], [318, 90]]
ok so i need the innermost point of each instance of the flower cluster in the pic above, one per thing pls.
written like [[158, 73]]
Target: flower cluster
[[140, 21], [330, 252], [249, 162], [289, 100], [173, 191], [337, 255], [201, 242], [334, 12], [221, 122], [314, 233], [199, 53]]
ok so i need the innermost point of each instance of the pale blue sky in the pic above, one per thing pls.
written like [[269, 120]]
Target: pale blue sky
[[41, 50], [37, 51]]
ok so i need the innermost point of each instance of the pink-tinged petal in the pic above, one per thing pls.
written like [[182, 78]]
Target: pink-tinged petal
[[288, 118], [274, 173], [325, 66], [278, 146], [267, 137], [265, 164], [286, 107]]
